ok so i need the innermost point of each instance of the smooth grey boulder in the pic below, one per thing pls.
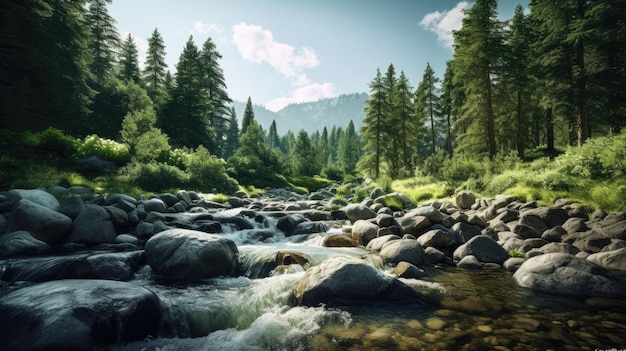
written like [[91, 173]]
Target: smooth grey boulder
[[484, 248], [71, 207], [551, 216], [187, 254], [408, 250], [408, 270], [433, 214], [437, 238], [356, 212], [343, 280], [37, 196], [465, 231], [108, 266], [469, 262], [559, 247], [413, 224], [93, 226], [465, 199], [154, 204], [384, 220], [310, 228], [553, 234], [43, 223], [19, 242], [363, 231], [77, 315], [513, 263], [565, 274], [288, 223], [613, 260], [377, 244]]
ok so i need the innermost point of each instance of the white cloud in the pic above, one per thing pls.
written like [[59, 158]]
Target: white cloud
[[307, 93], [257, 45], [443, 23], [201, 28]]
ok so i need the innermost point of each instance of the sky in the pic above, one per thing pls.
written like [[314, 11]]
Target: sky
[[279, 52]]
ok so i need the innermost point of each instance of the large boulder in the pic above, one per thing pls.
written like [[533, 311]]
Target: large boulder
[[437, 238], [43, 223], [92, 226], [551, 216], [343, 280], [109, 266], [188, 254], [413, 224], [613, 260], [396, 200], [363, 231], [16, 243], [465, 199], [358, 211], [433, 214], [565, 274], [37, 196], [484, 248], [77, 315], [408, 250]]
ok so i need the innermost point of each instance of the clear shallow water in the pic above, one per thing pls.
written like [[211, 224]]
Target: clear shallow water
[[479, 310]]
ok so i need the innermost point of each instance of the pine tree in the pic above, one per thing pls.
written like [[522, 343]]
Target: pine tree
[[231, 144], [273, 141], [155, 71], [185, 118], [447, 104], [391, 144], [129, 61], [428, 104], [44, 65], [404, 113], [373, 126], [104, 39], [478, 45], [215, 84], [323, 147], [248, 116], [348, 152], [333, 144], [305, 160]]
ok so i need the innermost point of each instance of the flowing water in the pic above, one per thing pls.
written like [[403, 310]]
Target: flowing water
[[476, 310]]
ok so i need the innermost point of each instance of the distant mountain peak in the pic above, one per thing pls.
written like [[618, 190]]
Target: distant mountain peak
[[312, 116]]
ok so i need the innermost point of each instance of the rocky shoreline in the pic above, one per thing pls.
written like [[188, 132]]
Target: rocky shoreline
[[64, 266]]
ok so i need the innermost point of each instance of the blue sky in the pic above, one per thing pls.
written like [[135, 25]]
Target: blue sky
[[279, 52]]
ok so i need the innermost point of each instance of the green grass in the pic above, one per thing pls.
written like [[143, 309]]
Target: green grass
[[309, 184], [423, 189]]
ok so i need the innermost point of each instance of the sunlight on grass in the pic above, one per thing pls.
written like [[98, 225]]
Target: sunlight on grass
[[423, 189]]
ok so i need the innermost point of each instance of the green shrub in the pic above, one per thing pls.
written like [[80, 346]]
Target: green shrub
[[333, 172], [105, 148], [515, 253], [158, 177], [432, 165], [208, 173], [461, 168], [52, 140]]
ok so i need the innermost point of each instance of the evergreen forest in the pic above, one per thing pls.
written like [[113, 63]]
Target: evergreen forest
[[533, 106]]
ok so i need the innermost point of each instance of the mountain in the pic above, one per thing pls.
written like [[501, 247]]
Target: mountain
[[311, 116]]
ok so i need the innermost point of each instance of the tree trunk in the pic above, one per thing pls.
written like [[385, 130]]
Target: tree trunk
[[581, 109], [491, 131], [518, 132], [549, 131]]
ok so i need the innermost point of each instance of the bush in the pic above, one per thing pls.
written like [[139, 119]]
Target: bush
[[208, 173], [158, 177], [461, 168], [599, 157], [333, 172], [104, 148], [52, 140]]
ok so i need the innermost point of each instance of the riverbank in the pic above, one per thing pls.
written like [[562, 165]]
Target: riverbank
[[246, 273]]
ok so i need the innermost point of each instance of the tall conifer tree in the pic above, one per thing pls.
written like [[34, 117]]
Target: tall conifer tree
[[154, 73], [129, 61], [104, 39]]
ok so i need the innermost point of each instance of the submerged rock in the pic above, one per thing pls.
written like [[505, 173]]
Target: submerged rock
[[188, 254], [77, 315], [342, 280], [565, 274]]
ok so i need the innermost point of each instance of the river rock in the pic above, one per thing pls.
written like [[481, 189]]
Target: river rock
[[377, 244], [559, 247], [43, 223], [363, 231], [552, 216], [484, 248], [513, 263], [154, 204], [613, 260], [565, 274], [413, 224], [19, 242], [407, 270], [465, 231], [288, 223], [77, 315], [533, 221], [71, 207], [465, 199], [516, 244], [437, 238], [385, 220], [469, 262], [574, 225], [433, 214], [407, 250], [92, 226], [553, 234], [343, 280], [357, 212], [187, 254], [615, 231], [397, 200], [37, 196], [309, 227], [110, 266], [338, 240]]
